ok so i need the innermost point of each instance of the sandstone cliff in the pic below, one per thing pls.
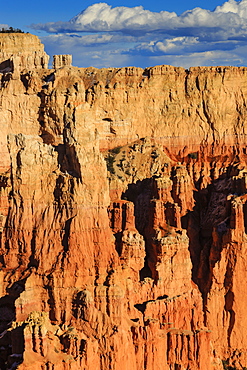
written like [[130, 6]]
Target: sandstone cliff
[[123, 218], [21, 50]]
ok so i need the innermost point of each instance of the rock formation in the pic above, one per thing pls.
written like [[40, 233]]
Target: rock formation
[[62, 61], [123, 217], [20, 51]]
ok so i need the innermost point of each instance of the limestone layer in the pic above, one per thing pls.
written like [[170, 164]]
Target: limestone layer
[[123, 219]]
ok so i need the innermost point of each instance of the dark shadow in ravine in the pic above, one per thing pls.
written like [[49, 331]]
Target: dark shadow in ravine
[[11, 341]]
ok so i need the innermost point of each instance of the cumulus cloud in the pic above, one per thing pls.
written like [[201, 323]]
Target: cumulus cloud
[[137, 36], [232, 6], [101, 17]]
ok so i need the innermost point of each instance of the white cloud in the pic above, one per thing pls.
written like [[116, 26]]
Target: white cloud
[[137, 36], [101, 17], [168, 46], [236, 7]]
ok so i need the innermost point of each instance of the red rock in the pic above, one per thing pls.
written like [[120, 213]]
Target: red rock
[[123, 218]]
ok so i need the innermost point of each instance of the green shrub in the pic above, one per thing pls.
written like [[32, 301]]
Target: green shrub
[[11, 30], [110, 159], [116, 150], [226, 365], [193, 155]]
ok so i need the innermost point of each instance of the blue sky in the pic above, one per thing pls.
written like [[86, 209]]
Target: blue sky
[[117, 34]]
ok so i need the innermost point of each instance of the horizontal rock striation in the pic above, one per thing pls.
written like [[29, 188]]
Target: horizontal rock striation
[[123, 218]]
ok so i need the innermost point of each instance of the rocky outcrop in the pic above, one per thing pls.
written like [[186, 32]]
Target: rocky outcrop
[[123, 218], [62, 60], [19, 51]]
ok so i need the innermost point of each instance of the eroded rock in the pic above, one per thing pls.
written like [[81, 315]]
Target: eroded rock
[[123, 217]]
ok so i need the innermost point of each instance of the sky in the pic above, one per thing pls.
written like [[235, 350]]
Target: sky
[[136, 33]]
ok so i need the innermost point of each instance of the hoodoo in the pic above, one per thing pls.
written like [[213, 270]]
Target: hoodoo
[[123, 215]]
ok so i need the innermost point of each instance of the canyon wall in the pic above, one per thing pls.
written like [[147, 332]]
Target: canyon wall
[[123, 218]]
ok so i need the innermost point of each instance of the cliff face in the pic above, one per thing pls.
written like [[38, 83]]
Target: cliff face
[[123, 218], [20, 51]]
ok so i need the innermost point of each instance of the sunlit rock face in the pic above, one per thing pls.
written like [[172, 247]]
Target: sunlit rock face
[[20, 51], [123, 217]]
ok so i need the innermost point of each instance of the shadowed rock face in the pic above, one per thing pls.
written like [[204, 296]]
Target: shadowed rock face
[[123, 218]]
